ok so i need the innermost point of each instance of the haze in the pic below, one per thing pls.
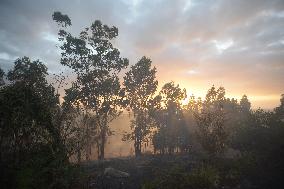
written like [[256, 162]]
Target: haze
[[141, 94]]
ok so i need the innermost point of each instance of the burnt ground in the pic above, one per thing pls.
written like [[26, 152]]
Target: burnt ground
[[141, 170]]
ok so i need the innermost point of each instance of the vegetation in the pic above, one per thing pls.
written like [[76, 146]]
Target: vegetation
[[96, 64], [171, 135], [212, 143], [211, 121], [32, 148], [140, 85]]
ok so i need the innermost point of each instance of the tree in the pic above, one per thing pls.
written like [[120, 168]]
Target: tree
[[96, 63], [2, 74], [32, 151], [172, 133], [72, 123], [280, 109], [245, 105], [260, 141], [194, 105], [140, 85], [210, 122]]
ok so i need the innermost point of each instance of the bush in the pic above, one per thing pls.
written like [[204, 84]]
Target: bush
[[205, 177]]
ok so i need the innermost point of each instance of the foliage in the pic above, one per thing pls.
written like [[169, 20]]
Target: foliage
[[72, 124], [210, 122], [204, 177], [261, 138], [245, 105], [32, 151], [97, 64], [172, 133], [61, 19], [2, 74], [140, 85]]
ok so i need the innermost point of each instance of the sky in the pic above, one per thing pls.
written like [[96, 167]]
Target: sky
[[235, 44]]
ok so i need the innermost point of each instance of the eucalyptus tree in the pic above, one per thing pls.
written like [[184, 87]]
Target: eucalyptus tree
[[171, 132], [194, 105], [140, 86], [96, 63], [27, 105], [211, 122], [245, 105], [30, 141], [280, 109], [2, 75]]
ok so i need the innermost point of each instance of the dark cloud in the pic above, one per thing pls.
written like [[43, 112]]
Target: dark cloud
[[239, 44]]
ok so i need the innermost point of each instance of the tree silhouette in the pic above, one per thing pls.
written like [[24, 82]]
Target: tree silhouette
[[29, 139], [245, 105], [2, 74], [140, 85], [211, 122], [172, 133], [97, 64]]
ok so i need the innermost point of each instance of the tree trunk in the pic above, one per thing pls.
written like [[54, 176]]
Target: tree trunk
[[88, 144], [103, 138], [102, 149], [137, 143], [78, 153]]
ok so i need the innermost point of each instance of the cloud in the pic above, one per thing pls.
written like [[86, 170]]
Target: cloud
[[238, 44]]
